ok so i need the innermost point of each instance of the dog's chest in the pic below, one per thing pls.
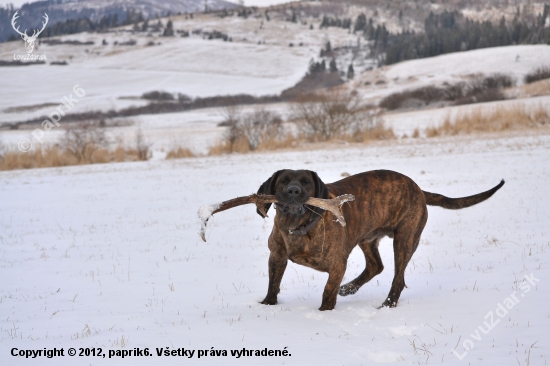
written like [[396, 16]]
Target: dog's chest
[[308, 250]]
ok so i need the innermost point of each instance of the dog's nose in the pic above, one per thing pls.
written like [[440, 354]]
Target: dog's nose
[[293, 190]]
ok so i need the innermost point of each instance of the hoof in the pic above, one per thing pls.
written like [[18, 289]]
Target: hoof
[[325, 308]]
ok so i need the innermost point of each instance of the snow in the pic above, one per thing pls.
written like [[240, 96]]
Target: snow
[[51, 83], [205, 213], [404, 123], [514, 61], [259, 61], [108, 256]]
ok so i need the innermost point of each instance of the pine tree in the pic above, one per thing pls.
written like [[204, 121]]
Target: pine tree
[[332, 66], [351, 73], [169, 30], [360, 23]]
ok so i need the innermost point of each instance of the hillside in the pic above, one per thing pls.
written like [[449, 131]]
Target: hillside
[[59, 11]]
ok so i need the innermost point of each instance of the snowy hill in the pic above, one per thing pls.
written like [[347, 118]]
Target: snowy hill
[[59, 11]]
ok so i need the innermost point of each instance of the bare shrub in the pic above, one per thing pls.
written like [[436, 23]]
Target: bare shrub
[[248, 132], [231, 118], [478, 90], [539, 74], [3, 149], [82, 140], [516, 117], [231, 115], [322, 117], [493, 81], [259, 126], [142, 146], [490, 95], [157, 95]]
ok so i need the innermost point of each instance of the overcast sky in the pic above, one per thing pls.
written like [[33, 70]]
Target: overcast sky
[[18, 3]]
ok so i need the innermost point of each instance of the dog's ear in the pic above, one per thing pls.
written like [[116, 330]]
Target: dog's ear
[[321, 190], [268, 187]]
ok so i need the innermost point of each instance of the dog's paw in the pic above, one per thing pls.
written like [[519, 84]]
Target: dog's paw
[[348, 289], [388, 304], [326, 307], [269, 301]]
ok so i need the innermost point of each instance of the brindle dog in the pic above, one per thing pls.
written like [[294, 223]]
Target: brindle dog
[[386, 204]]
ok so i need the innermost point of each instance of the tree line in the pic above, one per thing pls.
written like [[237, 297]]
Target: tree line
[[452, 32]]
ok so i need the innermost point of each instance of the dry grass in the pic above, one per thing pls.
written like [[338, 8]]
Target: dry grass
[[241, 145], [516, 117], [289, 140], [57, 157], [376, 132], [537, 88], [180, 153]]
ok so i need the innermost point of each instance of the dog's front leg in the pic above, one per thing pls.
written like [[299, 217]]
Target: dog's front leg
[[332, 287], [277, 266]]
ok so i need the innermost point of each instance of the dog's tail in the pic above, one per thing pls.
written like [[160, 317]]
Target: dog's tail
[[434, 199]]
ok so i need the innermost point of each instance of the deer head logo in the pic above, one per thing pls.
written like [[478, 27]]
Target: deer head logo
[[29, 40]]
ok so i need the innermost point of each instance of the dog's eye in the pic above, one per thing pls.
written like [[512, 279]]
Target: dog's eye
[[285, 181], [304, 182]]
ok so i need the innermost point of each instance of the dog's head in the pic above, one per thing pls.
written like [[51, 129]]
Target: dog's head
[[293, 188]]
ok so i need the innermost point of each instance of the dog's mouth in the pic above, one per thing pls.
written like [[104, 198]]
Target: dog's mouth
[[290, 205], [292, 208]]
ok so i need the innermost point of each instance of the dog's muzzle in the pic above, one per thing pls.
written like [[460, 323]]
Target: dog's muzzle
[[292, 208]]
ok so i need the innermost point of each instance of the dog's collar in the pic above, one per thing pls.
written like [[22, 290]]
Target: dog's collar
[[306, 227]]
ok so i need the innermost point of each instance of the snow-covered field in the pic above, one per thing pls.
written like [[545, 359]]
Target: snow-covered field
[[225, 67], [108, 256], [514, 61], [258, 61]]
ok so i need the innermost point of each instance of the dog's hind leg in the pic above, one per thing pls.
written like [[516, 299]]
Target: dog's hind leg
[[373, 267], [405, 243]]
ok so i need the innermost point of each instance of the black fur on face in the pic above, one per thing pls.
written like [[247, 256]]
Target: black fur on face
[[293, 188]]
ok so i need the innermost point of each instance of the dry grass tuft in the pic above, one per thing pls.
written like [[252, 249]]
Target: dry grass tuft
[[516, 117], [241, 145], [56, 157], [180, 153], [537, 88], [376, 132]]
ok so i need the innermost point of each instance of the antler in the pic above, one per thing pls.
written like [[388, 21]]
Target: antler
[[34, 34], [13, 19], [43, 25], [332, 205]]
